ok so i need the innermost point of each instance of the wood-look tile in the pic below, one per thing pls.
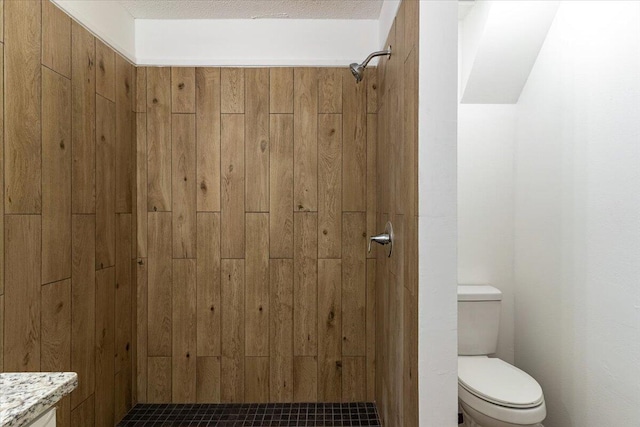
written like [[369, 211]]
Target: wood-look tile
[[411, 26], [123, 334], [125, 148], [140, 105], [410, 160], [329, 186], [133, 306], [67, 157], [84, 413], [372, 172], [410, 359], [22, 118], [2, 21], [22, 293], [256, 379], [281, 330], [208, 284], [372, 92], [330, 90], [208, 138], [395, 308], [63, 412], [385, 65], [142, 328], [257, 139], [141, 185], [55, 319], [399, 47], [159, 386], [159, 284], [281, 187], [123, 393], [184, 331], [305, 141], [56, 177], [208, 380], [105, 338], [371, 329], [254, 342], [2, 333], [183, 90], [257, 285], [232, 185], [183, 178], [353, 283], [305, 379], [83, 123], [353, 379], [56, 337], [281, 90], [232, 346], [83, 304], [305, 294], [158, 139], [2, 169], [354, 143], [329, 330], [56, 39], [105, 71], [105, 182], [232, 90]]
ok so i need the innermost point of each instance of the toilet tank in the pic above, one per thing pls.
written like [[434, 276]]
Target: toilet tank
[[478, 319]]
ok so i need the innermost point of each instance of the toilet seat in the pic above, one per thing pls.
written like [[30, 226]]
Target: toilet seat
[[498, 382], [499, 391]]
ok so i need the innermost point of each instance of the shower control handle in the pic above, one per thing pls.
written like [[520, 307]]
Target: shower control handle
[[381, 239], [385, 239]]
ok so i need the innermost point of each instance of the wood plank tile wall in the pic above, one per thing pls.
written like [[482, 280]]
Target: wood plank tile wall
[[67, 283], [254, 198], [396, 278]]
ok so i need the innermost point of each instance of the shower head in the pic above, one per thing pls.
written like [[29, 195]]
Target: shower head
[[358, 69]]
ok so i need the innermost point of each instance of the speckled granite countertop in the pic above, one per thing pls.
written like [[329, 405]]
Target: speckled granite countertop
[[25, 395]]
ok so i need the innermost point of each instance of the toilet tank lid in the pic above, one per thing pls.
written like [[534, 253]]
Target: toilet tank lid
[[478, 293]]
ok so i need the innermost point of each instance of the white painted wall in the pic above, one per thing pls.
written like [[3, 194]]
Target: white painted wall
[[437, 222], [470, 35], [577, 227], [576, 213], [388, 14], [233, 42], [258, 42], [486, 145], [503, 39]]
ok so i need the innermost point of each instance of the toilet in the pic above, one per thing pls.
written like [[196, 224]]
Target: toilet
[[491, 392]]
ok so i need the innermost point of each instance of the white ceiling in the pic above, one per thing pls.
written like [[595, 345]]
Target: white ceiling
[[252, 9]]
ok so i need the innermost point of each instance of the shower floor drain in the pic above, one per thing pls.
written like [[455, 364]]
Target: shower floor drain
[[255, 414]]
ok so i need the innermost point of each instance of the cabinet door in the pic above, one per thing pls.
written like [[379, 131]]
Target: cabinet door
[[46, 419]]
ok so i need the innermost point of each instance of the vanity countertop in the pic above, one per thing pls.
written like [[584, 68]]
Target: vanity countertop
[[25, 395]]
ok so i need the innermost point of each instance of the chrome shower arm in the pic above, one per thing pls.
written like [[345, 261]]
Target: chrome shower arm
[[374, 54]]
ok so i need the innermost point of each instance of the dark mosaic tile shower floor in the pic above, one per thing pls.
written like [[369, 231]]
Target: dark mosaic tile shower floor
[[252, 415]]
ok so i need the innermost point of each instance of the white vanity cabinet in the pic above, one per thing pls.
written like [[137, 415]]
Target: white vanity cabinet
[[47, 419]]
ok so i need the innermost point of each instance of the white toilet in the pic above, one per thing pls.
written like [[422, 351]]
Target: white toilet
[[491, 392]]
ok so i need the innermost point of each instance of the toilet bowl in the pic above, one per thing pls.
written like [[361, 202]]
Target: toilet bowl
[[491, 392]]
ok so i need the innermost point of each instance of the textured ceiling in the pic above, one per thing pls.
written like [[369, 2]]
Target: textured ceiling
[[252, 9]]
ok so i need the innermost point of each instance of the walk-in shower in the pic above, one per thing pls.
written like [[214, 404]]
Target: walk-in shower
[[358, 69]]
